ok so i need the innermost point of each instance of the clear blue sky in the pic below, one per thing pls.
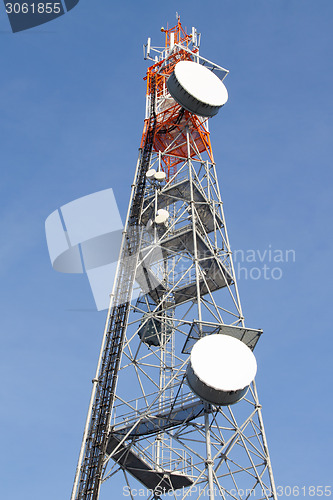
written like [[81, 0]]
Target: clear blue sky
[[71, 113]]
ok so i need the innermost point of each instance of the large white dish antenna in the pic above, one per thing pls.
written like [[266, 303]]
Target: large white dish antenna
[[220, 369], [197, 89]]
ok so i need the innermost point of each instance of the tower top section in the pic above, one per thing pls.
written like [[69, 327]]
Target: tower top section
[[183, 91], [178, 45]]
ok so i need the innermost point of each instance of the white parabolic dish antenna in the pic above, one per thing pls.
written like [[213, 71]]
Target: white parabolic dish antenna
[[162, 216], [197, 89], [160, 176], [220, 369], [150, 173]]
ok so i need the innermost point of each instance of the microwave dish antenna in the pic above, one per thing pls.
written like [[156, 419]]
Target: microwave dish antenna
[[197, 89]]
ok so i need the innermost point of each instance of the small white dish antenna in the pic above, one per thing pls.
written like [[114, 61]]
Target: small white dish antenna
[[150, 174], [162, 216], [160, 176]]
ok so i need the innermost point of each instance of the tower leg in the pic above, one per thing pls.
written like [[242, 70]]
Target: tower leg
[[265, 445], [209, 461]]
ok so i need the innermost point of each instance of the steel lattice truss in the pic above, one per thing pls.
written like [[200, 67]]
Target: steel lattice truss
[[155, 432]]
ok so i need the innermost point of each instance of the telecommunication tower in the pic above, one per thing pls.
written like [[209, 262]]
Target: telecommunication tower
[[174, 408]]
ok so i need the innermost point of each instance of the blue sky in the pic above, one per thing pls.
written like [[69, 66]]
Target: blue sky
[[71, 113]]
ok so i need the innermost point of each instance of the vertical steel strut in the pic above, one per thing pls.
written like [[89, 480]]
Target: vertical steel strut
[[90, 471]]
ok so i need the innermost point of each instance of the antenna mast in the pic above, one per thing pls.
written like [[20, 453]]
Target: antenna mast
[[174, 406]]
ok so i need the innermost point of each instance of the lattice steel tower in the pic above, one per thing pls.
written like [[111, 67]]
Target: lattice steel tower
[[174, 409]]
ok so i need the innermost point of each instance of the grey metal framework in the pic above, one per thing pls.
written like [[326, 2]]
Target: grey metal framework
[[144, 423]]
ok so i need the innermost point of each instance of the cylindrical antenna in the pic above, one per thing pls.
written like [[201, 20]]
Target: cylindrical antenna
[[172, 41], [194, 36]]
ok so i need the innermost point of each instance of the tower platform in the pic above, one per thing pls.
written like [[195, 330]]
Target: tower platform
[[216, 276], [139, 468], [154, 423], [198, 330], [176, 191]]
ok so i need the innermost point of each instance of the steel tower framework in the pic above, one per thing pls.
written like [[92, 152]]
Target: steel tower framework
[[144, 423]]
